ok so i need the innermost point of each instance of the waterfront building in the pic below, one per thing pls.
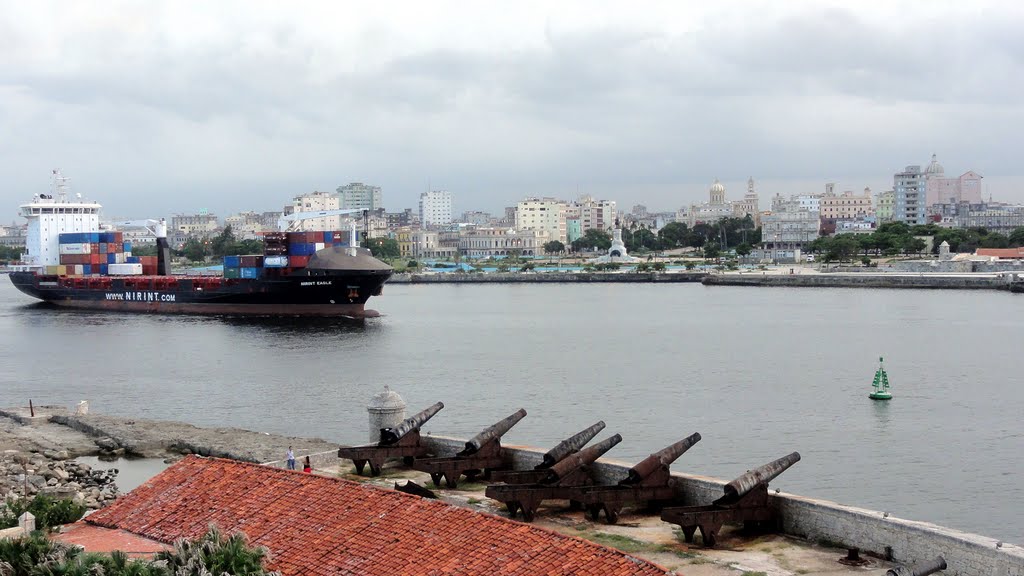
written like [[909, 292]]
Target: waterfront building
[[359, 196], [317, 202], [965, 188], [543, 215], [436, 208], [884, 206], [593, 214], [713, 210], [791, 227], [247, 225], [418, 243], [13, 236], [845, 206], [573, 229], [996, 217], [201, 224], [909, 189], [484, 242]]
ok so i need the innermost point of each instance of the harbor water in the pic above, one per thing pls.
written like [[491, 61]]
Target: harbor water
[[759, 372]]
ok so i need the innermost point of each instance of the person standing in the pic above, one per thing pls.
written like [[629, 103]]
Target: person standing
[[307, 467], [291, 459]]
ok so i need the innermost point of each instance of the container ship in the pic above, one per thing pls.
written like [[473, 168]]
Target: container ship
[[71, 262]]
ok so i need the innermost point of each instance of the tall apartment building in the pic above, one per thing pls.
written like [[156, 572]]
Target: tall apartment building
[[359, 196], [245, 225], [909, 187], [201, 224], [436, 208], [543, 214], [594, 214], [318, 202], [477, 218]]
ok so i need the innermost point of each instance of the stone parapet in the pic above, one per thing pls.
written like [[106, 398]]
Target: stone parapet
[[874, 532]]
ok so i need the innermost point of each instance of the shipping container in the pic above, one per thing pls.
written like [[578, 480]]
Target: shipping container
[[73, 238], [78, 248], [233, 272], [275, 237], [87, 269], [232, 261], [119, 258], [103, 248], [251, 261], [124, 269], [301, 249], [62, 270], [298, 261], [131, 260], [319, 246], [250, 273], [94, 258], [275, 261], [78, 269], [127, 247], [104, 268]]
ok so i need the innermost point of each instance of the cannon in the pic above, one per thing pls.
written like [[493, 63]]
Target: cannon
[[646, 482], [923, 569], [564, 448], [556, 484], [402, 441], [481, 454], [745, 500]]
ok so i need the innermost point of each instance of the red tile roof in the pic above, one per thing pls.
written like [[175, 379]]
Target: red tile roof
[[99, 539], [318, 525], [1005, 253]]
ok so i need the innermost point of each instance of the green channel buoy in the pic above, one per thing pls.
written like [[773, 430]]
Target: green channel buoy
[[880, 384]]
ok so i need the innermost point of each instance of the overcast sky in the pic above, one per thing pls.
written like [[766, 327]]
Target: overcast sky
[[156, 108]]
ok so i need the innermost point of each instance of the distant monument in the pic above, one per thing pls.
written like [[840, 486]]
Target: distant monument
[[617, 252]]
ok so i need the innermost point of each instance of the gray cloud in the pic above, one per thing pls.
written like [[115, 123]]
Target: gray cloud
[[148, 121]]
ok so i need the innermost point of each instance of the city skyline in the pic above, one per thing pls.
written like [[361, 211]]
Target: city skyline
[[160, 108]]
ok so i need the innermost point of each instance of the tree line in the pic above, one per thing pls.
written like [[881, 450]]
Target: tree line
[[895, 238]]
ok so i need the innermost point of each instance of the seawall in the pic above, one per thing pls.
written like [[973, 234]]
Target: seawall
[[903, 541], [546, 277], [864, 280]]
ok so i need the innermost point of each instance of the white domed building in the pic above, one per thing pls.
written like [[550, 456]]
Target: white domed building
[[712, 211]]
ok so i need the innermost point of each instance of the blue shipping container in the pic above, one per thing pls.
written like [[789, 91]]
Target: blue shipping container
[[275, 261], [73, 238], [131, 260], [103, 269], [111, 258], [301, 249], [127, 246], [87, 269], [251, 273], [232, 261]]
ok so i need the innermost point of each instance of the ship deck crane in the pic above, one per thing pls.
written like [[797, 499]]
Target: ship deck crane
[[290, 222]]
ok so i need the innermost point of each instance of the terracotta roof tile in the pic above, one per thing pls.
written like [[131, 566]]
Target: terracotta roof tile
[[1004, 253], [318, 526]]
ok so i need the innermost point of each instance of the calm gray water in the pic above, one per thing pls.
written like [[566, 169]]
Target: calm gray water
[[758, 372]]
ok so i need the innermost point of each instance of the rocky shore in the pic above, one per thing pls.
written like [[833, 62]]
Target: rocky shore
[[55, 474]]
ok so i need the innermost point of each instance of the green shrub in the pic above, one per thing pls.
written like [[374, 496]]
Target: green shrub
[[48, 512]]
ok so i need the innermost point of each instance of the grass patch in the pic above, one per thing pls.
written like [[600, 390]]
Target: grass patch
[[622, 543], [827, 543], [474, 501], [753, 573]]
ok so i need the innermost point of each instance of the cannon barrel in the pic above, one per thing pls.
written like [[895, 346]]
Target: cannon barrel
[[761, 475], [664, 457], [581, 458], [571, 444], [497, 430], [392, 435], [923, 569]]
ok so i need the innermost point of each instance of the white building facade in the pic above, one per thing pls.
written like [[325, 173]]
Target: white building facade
[[318, 202], [359, 196], [545, 215], [436, 208]]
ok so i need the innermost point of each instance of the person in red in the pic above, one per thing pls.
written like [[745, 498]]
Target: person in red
[[307, 467]]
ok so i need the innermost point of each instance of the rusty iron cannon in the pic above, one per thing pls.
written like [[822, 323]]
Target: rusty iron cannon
[[402, 441], [570, 445], [647, 482], [557, 484], [481, 454], [923, 569], [745, 500]]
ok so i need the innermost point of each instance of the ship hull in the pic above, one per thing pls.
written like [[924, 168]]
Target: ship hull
[[334, 293]]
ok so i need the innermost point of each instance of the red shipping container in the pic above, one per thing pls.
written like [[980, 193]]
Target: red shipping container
[[298, 261]]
